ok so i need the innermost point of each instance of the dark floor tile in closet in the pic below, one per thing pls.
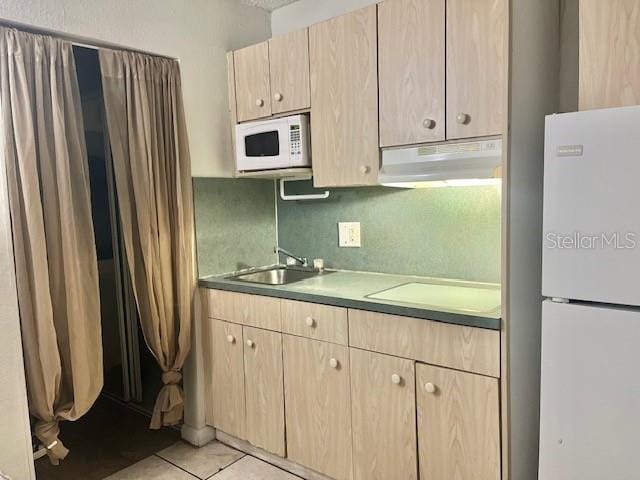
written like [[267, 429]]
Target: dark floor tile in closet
[[107, 439]]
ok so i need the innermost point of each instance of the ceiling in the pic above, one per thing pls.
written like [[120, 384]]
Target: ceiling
[[269, 5]]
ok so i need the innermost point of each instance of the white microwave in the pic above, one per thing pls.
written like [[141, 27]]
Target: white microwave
[[273, 144]]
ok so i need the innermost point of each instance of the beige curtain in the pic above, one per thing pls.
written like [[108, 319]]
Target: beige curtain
[[145, 118], [55, 256]]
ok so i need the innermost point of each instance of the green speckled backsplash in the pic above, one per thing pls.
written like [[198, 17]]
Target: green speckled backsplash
[[441, 232], [235, 224]]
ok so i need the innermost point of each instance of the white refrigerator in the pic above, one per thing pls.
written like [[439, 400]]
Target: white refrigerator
[[590, 383]]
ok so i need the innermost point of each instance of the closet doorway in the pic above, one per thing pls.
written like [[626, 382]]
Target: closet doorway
[[131, 374], [115, 433]]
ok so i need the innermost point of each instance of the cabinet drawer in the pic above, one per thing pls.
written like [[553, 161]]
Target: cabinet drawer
[[220, 304], [311, 320], [251, 310], [463, 348]]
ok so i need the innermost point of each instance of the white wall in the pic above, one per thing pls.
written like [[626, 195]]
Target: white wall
[[198, 32], [569, 55], [16, 459], [303, 13], [535, 43]]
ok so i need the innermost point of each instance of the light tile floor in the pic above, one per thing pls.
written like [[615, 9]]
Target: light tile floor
[[214, 461]]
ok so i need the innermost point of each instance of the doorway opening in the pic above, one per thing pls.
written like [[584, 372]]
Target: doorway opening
[[114, 433]]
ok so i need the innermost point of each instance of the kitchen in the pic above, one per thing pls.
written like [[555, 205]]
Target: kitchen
[[390, 303], [369, 240]]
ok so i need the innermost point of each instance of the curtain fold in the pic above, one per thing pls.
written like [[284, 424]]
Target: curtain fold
[[55, 255], [146, 125]]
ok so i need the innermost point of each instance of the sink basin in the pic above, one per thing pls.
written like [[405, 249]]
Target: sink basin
[[277, 275]]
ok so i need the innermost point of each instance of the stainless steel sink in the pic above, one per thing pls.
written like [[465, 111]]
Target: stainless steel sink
[[279, 275]]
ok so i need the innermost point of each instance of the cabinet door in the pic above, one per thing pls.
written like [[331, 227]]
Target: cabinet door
[[289, 67], [253, 92], [344, 95], [383, 411], [458, 424], [609, 52], [264, 389], [475, 68], [227, 380], [318, 413], [411, 49]]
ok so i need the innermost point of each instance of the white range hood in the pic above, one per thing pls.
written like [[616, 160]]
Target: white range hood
[[469, 163]]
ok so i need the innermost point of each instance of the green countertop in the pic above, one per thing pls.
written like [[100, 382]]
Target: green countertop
[[452, 301]]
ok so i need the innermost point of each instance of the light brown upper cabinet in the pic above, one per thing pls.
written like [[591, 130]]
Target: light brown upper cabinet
[[458, 424], [383, 412], [475, 68], [289, 72], [272, 77], [411, 49], [264, 389], [344, 95], [227, 378], [609, 53], [253, 91], [318, 412]]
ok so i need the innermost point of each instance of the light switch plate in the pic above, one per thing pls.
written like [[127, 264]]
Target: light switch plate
[[349, 234]]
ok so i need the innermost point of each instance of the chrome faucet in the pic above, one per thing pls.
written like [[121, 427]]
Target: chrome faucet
[[301, 260]]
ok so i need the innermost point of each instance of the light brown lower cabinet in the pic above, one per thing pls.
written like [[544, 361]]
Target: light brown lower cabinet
[[369, 412], [318, 412], [383, 411], [458, 425], [227, 378], [247, 388], [264, 389]]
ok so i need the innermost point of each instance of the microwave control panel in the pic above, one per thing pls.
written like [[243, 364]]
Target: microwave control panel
[[295, 142]]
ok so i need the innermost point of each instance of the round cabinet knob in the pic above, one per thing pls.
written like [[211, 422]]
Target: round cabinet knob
[[396, 379], [429, 123], [230, 339], [277, 97], [430, 387], [333, 363], [365, 169], [309, 321], [259, 102], [250, 344], [463, 118]]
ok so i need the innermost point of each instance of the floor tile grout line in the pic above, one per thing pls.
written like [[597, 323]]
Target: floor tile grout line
[[244, 455], [227, 466], [177, 466], [257, 458]]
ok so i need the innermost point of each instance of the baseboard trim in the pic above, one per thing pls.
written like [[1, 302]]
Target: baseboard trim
[[198, 437], [265, 456]]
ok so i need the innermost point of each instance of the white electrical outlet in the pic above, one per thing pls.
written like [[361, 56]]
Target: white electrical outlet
[[349, 234]]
